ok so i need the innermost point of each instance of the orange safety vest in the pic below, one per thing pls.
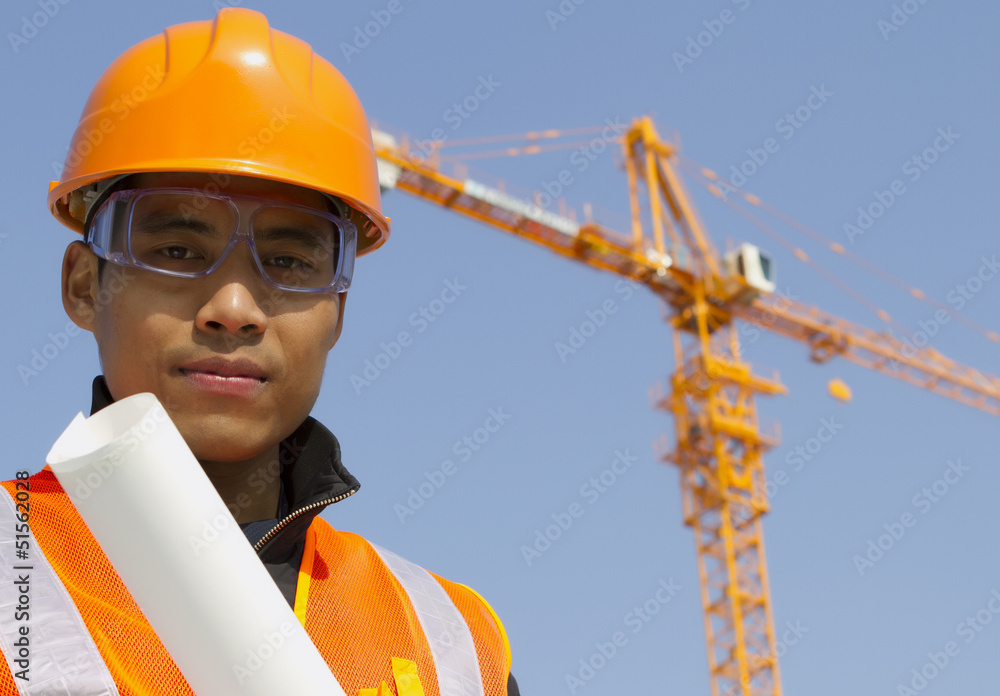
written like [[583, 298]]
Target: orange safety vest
[[383, 625]]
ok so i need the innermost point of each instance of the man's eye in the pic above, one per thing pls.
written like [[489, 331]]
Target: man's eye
[[290, 263], [178, 253]]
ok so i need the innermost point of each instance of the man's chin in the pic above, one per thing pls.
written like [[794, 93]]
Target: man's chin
[[225, 438], [217, 451]]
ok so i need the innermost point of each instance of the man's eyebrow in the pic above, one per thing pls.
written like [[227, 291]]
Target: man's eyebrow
[[294, 232], [167, 221]]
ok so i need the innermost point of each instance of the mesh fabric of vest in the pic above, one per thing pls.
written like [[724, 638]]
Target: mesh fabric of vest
[[357, 614], [379, 620]]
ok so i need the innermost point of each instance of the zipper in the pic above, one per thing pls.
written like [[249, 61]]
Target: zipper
[[283, 523]]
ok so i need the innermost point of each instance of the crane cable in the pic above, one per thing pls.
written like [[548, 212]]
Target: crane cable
[[710, 179], [712, 182]]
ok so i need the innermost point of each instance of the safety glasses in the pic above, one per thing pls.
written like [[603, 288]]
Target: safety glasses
[[187, 233]]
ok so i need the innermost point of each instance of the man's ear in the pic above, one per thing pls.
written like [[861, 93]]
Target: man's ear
[[340, 320], [79, 285]]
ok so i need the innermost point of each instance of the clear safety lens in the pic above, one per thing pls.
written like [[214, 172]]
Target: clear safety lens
[[185, 232]]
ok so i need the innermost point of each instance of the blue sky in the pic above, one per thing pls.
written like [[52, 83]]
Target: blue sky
[[889, 88]]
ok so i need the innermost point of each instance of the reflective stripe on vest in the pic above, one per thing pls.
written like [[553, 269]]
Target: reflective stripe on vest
[[62, 657], [445, 629]]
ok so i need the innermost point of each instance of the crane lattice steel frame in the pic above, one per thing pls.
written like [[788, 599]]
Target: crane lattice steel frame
[[718, 444]]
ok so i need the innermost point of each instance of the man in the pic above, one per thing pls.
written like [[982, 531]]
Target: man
[[222, 206]]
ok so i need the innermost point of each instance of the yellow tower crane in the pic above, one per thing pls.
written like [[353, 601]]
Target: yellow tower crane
[[718, 445]]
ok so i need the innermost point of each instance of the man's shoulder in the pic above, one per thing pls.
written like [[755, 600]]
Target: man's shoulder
[[347, 544], [354, 548], [333, 545]]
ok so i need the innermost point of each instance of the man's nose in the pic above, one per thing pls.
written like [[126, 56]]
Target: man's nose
[[235, 297]]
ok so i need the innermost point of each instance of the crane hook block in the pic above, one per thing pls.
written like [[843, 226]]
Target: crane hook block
[[839, 390]]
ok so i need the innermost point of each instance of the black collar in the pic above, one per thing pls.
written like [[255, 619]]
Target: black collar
[[311, 473]]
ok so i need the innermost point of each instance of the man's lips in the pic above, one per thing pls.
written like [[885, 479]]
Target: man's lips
[[221, 377], [221, 367]]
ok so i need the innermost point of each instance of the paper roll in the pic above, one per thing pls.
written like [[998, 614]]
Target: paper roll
[[183, 557]]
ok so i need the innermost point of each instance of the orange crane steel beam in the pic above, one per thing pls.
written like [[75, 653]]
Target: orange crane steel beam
[[828, 336], [606, 249], [719, 445]]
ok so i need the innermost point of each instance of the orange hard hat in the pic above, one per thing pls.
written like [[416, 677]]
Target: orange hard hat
[[229, 96]]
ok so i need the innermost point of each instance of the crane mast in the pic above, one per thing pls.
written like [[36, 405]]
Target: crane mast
[[719, 445]]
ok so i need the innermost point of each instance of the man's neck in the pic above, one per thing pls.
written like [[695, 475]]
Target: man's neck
[[250, 488]]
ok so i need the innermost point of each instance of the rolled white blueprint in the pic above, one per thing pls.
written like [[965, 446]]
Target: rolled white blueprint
[[183, 557]]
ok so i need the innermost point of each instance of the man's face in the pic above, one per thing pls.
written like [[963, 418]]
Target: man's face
[[236, 362]]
